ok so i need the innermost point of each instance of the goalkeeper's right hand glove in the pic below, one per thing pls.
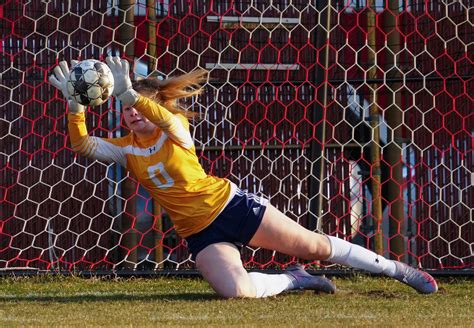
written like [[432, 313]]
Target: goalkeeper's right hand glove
[[59, 81], [122, 83]]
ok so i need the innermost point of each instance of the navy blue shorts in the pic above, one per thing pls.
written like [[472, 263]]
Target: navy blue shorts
[[236, 224]]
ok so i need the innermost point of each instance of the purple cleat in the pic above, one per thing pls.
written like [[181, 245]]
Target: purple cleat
[[423, 282], [303, 280]]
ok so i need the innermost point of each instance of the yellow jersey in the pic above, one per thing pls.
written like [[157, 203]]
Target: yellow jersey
[[164, 164]]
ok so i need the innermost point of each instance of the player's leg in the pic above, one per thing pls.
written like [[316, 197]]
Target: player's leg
[[221, 266], [280, 233]]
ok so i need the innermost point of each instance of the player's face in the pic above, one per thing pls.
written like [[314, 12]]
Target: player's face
[[136, 121]]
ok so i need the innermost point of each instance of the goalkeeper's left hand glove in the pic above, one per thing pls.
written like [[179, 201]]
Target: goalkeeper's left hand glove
[[122, 83], [59, 81]]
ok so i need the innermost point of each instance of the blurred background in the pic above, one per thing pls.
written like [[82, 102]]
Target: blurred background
[[354, 117]]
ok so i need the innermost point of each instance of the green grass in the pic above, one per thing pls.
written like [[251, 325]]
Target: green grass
[[360, 301]]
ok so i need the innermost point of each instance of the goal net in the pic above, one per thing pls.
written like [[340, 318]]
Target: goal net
[[354, 117]]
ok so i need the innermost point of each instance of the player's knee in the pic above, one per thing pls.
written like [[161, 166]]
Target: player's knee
[[319, 248], [238, 291]]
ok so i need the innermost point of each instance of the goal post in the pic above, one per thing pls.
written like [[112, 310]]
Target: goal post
[[353, 117]]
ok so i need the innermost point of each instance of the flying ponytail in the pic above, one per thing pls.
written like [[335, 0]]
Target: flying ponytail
[[168, 92]]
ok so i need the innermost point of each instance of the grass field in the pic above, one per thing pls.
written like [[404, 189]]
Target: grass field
[[360, 301]]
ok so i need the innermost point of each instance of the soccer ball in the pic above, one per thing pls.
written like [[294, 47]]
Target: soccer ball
[[90, 82]]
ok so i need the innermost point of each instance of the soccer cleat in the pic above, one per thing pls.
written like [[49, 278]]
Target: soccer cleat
[[303, 280], [423, 282]]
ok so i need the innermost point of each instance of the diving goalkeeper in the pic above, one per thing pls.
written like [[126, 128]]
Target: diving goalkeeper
[[212, 214]]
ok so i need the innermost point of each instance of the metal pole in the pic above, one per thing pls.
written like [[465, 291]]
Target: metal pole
[[151, 45], [375, 138], [393, 150], [317, 149], [126, 33], [151, 51]]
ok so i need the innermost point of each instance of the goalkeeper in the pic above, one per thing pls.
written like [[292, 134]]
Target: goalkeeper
[[212, 214]]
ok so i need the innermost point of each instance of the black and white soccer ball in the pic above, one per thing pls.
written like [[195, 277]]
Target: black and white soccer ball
[[90, 82]]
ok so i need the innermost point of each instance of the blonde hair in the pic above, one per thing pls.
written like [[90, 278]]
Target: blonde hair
[[168, 92]]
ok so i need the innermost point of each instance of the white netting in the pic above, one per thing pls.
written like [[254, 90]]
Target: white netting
[[353, 117]]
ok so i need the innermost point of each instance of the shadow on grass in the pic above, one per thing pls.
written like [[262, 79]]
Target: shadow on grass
[[197, 297]]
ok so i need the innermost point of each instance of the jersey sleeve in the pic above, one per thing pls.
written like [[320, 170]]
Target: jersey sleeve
[[102, 149], [173, 125]]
